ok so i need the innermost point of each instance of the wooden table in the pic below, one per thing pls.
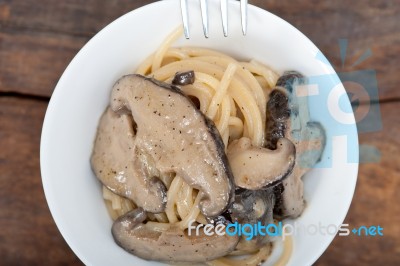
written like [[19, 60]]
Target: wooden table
[[39, 38]]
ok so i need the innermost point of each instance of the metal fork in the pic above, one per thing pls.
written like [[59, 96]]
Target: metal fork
[[204, 16]]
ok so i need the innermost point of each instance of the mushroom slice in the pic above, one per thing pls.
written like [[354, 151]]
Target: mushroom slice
[[120, 165], [177, 137], [184, 78], [172, 245], [288, 116], [253, 207], [255, 167]]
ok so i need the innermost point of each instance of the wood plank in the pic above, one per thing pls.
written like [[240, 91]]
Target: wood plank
[[34, 36], [74, 17], [32, 62], [28, 234], [371, 26], [375, 201], [37, 41]]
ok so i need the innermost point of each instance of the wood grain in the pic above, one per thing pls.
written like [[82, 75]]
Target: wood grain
[[366, 25], [28, 235], [32, 63], [60, 29], [73, 17], [37, 41], [376, 201]]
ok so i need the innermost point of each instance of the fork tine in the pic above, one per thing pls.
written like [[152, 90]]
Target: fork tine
[[243, 11], [204, 16], [185, 19], [224, 13]]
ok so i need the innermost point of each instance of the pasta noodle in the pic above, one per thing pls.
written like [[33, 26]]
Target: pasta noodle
[[287, 250], [231, 93]]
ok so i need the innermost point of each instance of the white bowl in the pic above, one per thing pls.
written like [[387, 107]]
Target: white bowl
[[82, 94]]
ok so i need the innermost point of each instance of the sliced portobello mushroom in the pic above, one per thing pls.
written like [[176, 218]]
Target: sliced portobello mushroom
[[121, 167], [175, 137], [288, 117], [172, 245], [257, 168]]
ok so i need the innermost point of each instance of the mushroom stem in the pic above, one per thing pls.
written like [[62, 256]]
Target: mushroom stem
[[288, 116], [257, 168]]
